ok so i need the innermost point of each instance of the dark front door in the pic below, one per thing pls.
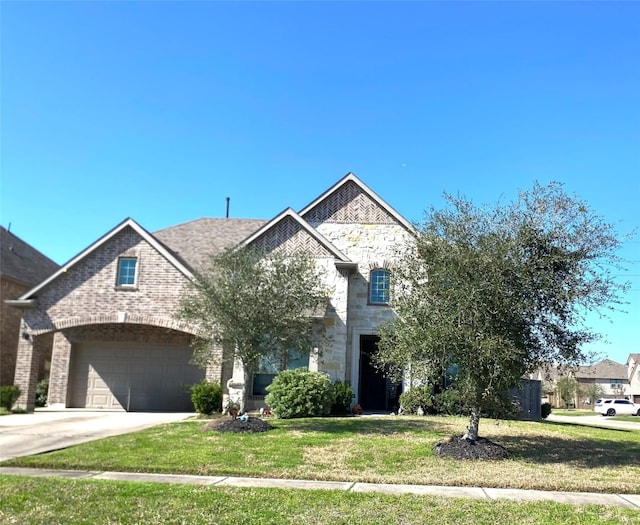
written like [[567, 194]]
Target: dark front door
[[376, 393]]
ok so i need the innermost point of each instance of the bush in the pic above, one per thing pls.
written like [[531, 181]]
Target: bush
[[448, 402], [206, 397], [42, 393], [417, 396], [503, 406], [300, 393], [9, 394], [342, 395], [545, 410]]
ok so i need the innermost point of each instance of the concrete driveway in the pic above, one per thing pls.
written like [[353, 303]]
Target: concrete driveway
[[596, 421], [45, 430]]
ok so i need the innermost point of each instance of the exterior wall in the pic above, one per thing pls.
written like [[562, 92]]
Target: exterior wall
[[371, 246], [633, 365], [10, 329], [88, 289], [86, 296]]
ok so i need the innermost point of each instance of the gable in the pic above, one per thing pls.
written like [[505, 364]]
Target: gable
[[349, 204], [288, 236]]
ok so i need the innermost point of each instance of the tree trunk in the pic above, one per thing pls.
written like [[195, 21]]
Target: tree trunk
[[474, 423]]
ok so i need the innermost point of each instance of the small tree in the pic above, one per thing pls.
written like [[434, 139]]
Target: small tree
[[500, 291], [591, 392], [566, 389], [253, 305]]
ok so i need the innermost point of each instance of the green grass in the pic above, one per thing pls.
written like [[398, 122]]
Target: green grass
[[546, 456], [631, 419], [57, 501], [573, 412]]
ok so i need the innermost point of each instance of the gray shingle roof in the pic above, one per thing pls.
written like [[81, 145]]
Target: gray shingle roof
[[196, 241], [605, 369], [21, 262]]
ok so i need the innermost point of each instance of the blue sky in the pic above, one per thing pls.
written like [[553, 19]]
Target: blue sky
[[160, 110]]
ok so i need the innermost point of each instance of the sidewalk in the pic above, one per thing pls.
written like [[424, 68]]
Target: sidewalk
[[631, 501]]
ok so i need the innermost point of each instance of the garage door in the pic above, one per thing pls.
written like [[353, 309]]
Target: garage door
[[132, 377]]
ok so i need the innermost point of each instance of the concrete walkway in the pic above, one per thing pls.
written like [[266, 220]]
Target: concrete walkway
[[630, 501]]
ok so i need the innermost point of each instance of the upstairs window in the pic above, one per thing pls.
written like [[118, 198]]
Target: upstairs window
[[379, 281], [126, 271]]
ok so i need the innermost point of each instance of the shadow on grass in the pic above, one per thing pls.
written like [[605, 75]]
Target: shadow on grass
[[367, 425], [583, 452]]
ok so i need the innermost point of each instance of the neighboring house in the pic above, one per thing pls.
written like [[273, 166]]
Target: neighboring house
[[610, 376], [633, 374], [107, 314], [21, 268]]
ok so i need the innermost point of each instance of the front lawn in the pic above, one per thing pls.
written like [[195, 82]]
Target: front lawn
[[546, 456], [37, 500]]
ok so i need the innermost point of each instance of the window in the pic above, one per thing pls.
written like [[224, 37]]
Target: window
[[126, 271], [617, 382], [268, 370], [379, 281]]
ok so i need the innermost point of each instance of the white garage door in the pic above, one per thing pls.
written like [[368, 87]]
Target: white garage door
[[132, 377]]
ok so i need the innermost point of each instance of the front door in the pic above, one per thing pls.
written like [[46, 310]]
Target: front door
[[377, 393]]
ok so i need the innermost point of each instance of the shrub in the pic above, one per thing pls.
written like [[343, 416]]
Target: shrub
[[9, 394], [503, 406], [42, 393], [206, 397], [448, 402], [342, 395], [545, 410], [417, 396], [300, 393]]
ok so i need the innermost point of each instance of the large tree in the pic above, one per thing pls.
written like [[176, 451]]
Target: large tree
[[251, 306], [498, 291]]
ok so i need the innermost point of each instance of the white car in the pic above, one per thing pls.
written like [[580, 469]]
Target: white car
[[612, 407]]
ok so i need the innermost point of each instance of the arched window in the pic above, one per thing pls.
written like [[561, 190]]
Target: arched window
[[379, 280]]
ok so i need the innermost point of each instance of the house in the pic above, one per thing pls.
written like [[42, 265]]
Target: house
[[605, 378], [21, 268], [633, 375], [106, 316], [609, 377]]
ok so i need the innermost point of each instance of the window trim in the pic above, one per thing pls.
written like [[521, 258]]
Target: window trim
[[370, 298], [119, 273]]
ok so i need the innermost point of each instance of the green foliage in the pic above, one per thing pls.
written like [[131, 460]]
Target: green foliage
[[566, 389], [502, 406], [300, 393], [9, 394], [42, 393], [415, 397], [254, 305], [591, 391], [206, 397], [342, 396], [545, 410], [448, 402], [500, 291]]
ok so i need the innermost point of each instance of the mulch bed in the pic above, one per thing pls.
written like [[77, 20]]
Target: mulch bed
[[229, 424], [459, 448]]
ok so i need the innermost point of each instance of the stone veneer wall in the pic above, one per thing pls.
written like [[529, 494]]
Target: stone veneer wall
[[371, 246]]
